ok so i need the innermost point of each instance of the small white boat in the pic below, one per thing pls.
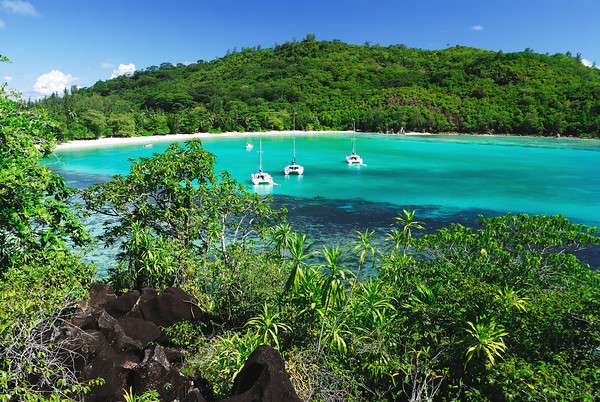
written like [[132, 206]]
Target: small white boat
[[293, 167], [148, 146], [249, 146], [354, 158], [261, 178]]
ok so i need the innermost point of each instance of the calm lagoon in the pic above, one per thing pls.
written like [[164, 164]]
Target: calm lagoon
[[446, 178], [446, 174]]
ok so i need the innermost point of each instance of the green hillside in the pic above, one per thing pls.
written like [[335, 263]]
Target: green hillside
[[327, 84]]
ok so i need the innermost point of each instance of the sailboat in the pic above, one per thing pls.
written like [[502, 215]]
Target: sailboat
[[293, 167], [260, 177], [354, 158]]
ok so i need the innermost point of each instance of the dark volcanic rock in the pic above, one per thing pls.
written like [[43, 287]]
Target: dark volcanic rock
[[119, 339], [138, 329], [117, 336], [194, 396], [171, 306], [156, 372], [122, 304], [115, 369], [99, 296], [263, 379]]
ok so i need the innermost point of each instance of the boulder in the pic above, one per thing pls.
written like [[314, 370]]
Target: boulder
[[263, 379], [118, 339], [114, 368], [170, 307], [156, 372], [140, 330], [116, 334], [100, 294], [122, 304]]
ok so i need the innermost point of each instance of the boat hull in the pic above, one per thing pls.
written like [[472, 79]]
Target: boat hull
[[261, 179], [294, 170], [354, 160]]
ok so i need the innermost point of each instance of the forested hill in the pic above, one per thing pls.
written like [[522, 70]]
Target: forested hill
[[327, 84]]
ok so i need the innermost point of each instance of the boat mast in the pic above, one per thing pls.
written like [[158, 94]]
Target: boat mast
[[294, 150], [353, 137], [294, 141], [260, 154]]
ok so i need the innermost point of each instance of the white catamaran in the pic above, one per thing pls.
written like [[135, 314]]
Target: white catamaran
[[260, 177], [293, 167], [354, 158]]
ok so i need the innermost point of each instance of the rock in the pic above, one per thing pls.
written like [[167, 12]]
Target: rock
[[114, 368], [146, 295], [140, 330], [170, 307], [116, 334], [156, 372], [90, 342], [122, 304], [263, 379], [117, 337], [99, 295]]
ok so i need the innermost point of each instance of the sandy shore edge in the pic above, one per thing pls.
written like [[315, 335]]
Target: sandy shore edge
[[123, 141]]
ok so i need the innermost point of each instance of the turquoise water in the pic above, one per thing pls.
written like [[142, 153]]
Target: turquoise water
[[441, 175]]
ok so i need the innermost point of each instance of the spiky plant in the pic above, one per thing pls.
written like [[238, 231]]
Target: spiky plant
[[485, 338], [268, 325]]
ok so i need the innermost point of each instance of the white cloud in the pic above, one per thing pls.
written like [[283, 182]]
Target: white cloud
[[20, 7], [123, 69], [8, 78], [588, 63], [2, 24], [106, 65], [477, 28], [52, 82]]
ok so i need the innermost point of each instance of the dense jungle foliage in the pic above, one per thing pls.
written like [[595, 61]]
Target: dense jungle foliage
[[501, 311], [40, 278], [329, 84]]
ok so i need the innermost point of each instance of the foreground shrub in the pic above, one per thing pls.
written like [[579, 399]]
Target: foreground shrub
[[37, 298]]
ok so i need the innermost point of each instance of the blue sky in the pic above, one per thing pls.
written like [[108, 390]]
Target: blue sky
[[53, 43]]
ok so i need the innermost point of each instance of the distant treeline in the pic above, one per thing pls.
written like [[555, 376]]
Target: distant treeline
[[328, 84]]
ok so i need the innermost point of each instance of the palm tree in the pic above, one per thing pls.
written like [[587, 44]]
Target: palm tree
[[280, 235], [408, 223], [267, 325], [299, 250], [396, 236], [486, 338], [364, 248], [370, 305], [334, 292]]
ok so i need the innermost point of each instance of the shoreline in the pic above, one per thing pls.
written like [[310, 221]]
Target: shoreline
[[154, 139]]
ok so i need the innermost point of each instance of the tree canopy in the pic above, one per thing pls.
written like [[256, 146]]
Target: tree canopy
[[328, 84]]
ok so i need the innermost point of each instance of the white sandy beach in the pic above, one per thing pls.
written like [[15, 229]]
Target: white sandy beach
[[121, 141], [124, 141]]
